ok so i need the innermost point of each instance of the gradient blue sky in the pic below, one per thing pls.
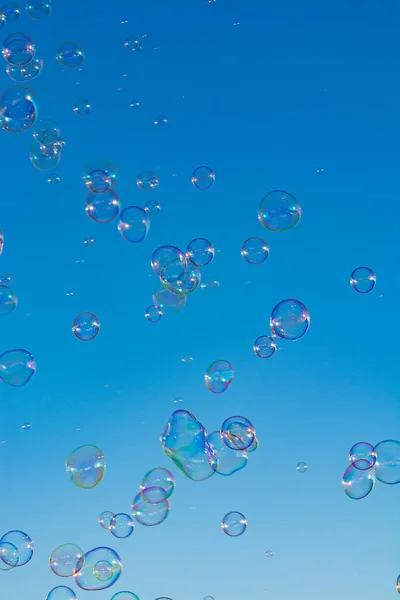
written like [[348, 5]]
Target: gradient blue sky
[[295, 87]]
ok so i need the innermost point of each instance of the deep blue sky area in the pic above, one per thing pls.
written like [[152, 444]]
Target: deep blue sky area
[[292, 88]]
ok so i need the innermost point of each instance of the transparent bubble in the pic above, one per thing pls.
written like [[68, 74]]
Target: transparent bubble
[[100, 175], [101, 569], [1, 242], [234, 524], [255, 251], [269, 554], [169, 302], [105, 519], [200, 252], [38, 9], [18, 49], [148, 513], [86, 326], [147, 181], [229, 461], [54, 179], [209, 598], [125, 596], [134, 104], [178, 281], [387, 466], [121, 525], [279, 211], [203, 178], [61, 592], [253, 446], [70, 54], [89, 241], [153, 313], [162, 480], [290, 320], [26, 426], [363, 280], [132, 43], [219, 376], [102, 208], [301, 467], [8, 300], [362, 455], [152, 208], [46, 156], [264, 346], [85, 466], [22, 543], [398, 584], [82, 107], [46, 130], [17, 367], [187, 359], [9, 554], [26, 72], [358, 483], [11, 12], [238, 433], [160, 121], [167, 255], [18, 109], [66, 560], [134, 224]]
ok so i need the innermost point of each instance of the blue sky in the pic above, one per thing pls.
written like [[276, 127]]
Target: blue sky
[[292, 89]]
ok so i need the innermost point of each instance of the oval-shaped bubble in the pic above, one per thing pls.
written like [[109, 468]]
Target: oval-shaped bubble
[[134, 224], [358, 483], [102, 567], [290, 320], [234, 524], [86, 326], [70, 54], [169, 302], [18, 109], [264, 346], [85, 466], [147, 181], [159, 478], [387, 465], [203, 178], [362, 454], [255, 250], [219, 376], [148, 513], [238, 433], [38, 9], [22, 543], [200, 252], [61, 592], [8, 300], [102, 208], [17, 367], [18, 49], [121, 525], [279, 211], [9, 556], [363, 280], [229, 461], [66, 560], [26, 72], [154, 313], [105, 519]]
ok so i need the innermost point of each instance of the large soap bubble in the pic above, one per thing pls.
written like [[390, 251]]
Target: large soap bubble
[[387, 466], [279, 211], [18, 109], [358, 483], [290, 320], [17, 367], [85, 466], [102, 567], [18, 49], [66, 560]]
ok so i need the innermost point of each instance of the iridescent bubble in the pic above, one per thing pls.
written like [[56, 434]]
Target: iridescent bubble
[[234, 524], [238, 433], [86, 326], [152, 208], [54, 179], [85, 466], [9, 554], [279, 211], [253, 446], [26, 72], [264, 346], [362, 454], [169, 302], [17, 109], [82, 107], [8, 300], [154, 313], [154, 494], [70, 54], [363, 280], [160, 479], [11, 12], [387, 466], [229, 461], [61, 592], [167, 255], [301, 467], [66, 560], [290, 320], [134, 224], [219, 376], [102, 208], [132, 43], [38, 9], [22, 543], [358, 483], [185, 441], [200, 252], [100, 175], [101, 569], [18, 49], [46, 156], [148, 513], [17, 367], [203, 178], [255, 250], [121, 525], [160, 120], [125, 596], [1, 241], [147, 181], [105, 519]]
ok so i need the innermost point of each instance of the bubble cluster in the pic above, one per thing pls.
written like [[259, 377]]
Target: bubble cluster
[[101, 569], [85, 466], [219, 376], [16, 549], [45, 153]]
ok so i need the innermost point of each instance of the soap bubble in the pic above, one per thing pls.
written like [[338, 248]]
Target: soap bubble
[[54, 179], [17, 367], [180, 281], [362, 455], [238, 433], [152, 208], [290, 320], [102, 208], [17, 109], [85, 466], [160, 121], [229, 461], [70, 54], [61, 592], [398, 584], [105, 519], [125, 596], [38, 9], [167, 255], [264, 346], [203, 178], [387, 466], [100, 175], [148, 513], [132, 43], [10, 12], [219, 376], [46, 156], [102, 567], [5, 279], [121, 525], [358, 483], [269, 554], [301, 467], [9, 555], [86, 326], [363, 280], [18, 49], [147, 181], [234, 524], [25, 426], [66, 560], [279, 211], [154, 313], [8, 300], [82, 107], [162, 480], [22, 543], [134, 224], [26, 72], [200, 252], [46, 130], [255, 251], [169, 302]]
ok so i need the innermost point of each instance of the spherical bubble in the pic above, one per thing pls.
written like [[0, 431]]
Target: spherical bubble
[[387, 466], [363, 280], [66, 560], [255, 250], [11, 12], [269, 554], [102, 208], [18, 109], [26, 72], [134, 224], [46, 156], [154, 313], [358, 483], [301, 467], [8, 300], [290, 320], [54, 179], [70, 54], [264, 346], [158, 478], [46, 130], [362, 454], [229, 461], [147, 513], [169, 302], [9, 556], [132, 43], [82, 107], [238, 433], [5, 279], [102, 567], [125, 596], [200, 252], [134, 104], [234, 524], [38, 9], [100, 175], [18, 49], [219, 376], [279, 211], [17, 367], [167, 255], [121, 525], [160, 121], [147, 181], [22, 543], [61, 592], [105, 519], [85, 466], [203, 178], [152, 208], [26, 426], [86, 326]]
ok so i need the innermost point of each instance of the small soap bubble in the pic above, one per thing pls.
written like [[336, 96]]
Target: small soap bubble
[[208, 598], [9, 554], [234, 524], [169, 302], [18, 109], [264, 346], [134, 104], [121, 525], [1, 242], [105, 519], [88, 241], [102, 208], [200, 252], [301, 467], [290, 320], [46, 156], [11, 12], [147, 181], [86, 326], [178, 401], [54, 179], [187, 359], [152, 208], [255, 251], [85, 466], [70, 54], [219, 376], [82, 107], [320, 170], [132, 43], [69, 294], [66, 560], [134, 224], [279, 211], [61, 592], [25, 426], [160, 121], [269, 554], [203, 178], [154, 313], [210, 284], [17, 367], [363, 280], [38, 9], [26, 72], [5, 280]]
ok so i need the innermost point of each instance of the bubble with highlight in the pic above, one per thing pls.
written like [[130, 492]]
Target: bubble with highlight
[[86, 326], [17, 367], [66, 560], [18, 109], [85, 466], [134, 224], [290, 320], [101, 569], [234, 524], [200, 252], [219, 376], [279, 211], [363, 280]]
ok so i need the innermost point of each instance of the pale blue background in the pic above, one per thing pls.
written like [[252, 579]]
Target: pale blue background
[[295, 87]]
